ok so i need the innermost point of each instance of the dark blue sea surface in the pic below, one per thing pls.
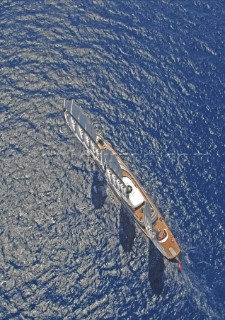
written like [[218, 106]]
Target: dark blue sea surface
[[150, 74]]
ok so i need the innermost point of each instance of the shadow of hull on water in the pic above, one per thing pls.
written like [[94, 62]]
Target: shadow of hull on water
[[126, 230], [98, 189], [155, 269]]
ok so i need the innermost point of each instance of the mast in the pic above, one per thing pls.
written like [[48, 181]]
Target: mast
[[149, 218]]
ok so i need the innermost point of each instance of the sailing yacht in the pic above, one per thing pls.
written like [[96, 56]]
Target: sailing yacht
[[124, 184]]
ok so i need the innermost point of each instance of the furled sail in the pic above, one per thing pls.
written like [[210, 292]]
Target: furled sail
[[80, 124], [109, 159], [113, 170]]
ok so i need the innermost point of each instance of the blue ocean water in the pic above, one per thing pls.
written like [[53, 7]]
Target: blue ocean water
[[151, 77]]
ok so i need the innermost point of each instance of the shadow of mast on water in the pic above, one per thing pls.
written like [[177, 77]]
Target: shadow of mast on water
[[98, 189], [155, 269], [126, 230]]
